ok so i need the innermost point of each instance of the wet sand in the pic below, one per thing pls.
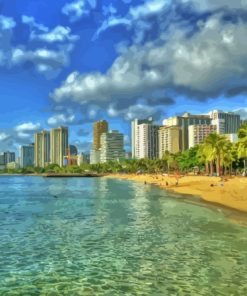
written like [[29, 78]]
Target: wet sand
[[230, 193]]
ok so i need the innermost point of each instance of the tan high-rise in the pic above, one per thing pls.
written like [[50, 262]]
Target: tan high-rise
[[99, 128], [42, 149], [169, 139], [59, 145]]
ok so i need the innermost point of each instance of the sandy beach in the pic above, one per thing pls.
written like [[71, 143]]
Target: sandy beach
[[231, 193]]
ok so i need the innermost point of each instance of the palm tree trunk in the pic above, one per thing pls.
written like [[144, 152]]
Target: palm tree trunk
[[211, 168]]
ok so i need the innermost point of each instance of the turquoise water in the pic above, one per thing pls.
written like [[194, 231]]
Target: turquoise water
[[112, 237]]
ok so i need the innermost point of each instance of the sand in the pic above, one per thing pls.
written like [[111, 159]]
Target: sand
[[231, 193]]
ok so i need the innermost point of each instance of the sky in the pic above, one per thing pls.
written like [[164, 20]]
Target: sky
[[65, 62]]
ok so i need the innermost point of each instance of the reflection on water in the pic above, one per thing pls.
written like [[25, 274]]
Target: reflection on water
[[106, 237]]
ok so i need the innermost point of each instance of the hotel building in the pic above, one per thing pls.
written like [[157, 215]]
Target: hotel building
[[184, 122], [169, 139], [226, 122], [27, 156], [198, 132], [145, 143], [99, 128], [112, 146], [59, 145], [42, 149]]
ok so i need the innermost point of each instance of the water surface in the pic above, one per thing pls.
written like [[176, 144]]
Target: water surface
[[91, 236]]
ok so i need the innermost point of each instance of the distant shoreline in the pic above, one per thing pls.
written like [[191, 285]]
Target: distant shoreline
[[86, 175]]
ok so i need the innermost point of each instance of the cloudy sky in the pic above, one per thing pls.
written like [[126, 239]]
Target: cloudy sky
[[65, 62]]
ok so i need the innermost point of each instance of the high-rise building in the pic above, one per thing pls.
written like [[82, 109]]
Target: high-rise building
[[198, 132], [27, 156], [148, 141], [184, 122], [226, 122], [137, 139], [59, 145], [112, 146], [99, 128], [42, 149], [169, 139], [8, 157], [233, 138]]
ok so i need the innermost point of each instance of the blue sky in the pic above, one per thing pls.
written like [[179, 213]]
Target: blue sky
[[65, 62]]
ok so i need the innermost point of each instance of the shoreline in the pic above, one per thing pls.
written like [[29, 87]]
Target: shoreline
[[229, 194]]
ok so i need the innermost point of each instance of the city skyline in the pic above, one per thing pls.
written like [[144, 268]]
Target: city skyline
[[149, 140], [74, 62]]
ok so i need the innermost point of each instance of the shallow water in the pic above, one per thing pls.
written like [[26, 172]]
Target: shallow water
[[90, 236]]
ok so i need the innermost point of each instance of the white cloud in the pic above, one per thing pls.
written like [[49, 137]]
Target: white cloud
[[78, 8], [60, 119], [6, 23], [134, 18], [216, 4], [58, 34], [3, 137], [148, 8], [134, 111], [29, 20], [48, 62], [27, 127], [210, 62], [242, 112]]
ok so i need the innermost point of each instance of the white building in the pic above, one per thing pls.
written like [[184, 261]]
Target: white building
[[198, 132], [169, 139], [145, 142], [112, 146], [94, 156], [59, 145], [226, 122], [135, 139]]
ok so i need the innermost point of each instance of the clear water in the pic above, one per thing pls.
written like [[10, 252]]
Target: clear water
[[110, 237]]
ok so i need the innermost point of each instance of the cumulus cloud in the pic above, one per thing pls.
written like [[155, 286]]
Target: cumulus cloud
[[27, 127], [209, 62], [45, 61], [3, 137], [60, 119], [6, 23], [242, 112], [140, 111], [134, 17], [58, 34], [29, 20], [78, 8], [216, 4]]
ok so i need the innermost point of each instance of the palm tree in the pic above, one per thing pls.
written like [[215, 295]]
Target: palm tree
[[242, 144], [215, 147]]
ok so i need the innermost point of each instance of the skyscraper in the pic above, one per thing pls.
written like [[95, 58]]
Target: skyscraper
[[148, 141], [135, 139], [226, 122], [169, 139], [112, 146], [184, 122], [59, 145], [99, 128], [42, 149], [27, 156]]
